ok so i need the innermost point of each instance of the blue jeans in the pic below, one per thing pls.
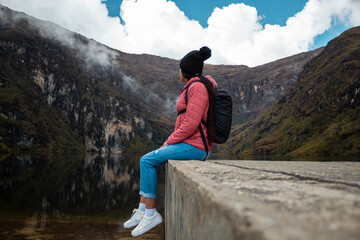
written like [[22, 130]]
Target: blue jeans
[[150, 161]]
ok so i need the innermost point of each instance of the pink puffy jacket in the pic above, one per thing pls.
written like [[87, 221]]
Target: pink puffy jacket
[[186, 126]]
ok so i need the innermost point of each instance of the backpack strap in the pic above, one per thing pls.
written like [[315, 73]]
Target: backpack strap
[[202, 121], [204, 141], [186, 97], [187, 89]]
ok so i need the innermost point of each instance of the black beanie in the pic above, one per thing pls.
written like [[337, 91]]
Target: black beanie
[[193, 62]]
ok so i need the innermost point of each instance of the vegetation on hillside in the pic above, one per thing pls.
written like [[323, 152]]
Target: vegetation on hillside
[[27, 121], [50, 99], [319, 115], [77, 101]]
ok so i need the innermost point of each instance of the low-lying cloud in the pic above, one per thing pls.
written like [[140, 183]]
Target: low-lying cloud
[[159, 27], [92, 54], [88, 50]]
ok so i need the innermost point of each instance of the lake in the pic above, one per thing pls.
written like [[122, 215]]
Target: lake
[[75, 197], [70, 197]]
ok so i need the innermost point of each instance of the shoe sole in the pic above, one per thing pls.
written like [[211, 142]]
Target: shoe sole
[[151, 226]]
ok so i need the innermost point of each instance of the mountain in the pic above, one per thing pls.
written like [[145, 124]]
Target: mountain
[[253, 89], [59, 90], [320, 113], [62, 91], [256, 89]]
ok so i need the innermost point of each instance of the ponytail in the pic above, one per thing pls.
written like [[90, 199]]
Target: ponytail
[[211, 112]]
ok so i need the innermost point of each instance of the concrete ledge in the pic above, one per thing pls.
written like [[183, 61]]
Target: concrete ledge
[[262, 200]]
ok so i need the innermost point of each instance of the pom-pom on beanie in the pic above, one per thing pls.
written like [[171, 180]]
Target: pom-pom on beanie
[[193, 62]]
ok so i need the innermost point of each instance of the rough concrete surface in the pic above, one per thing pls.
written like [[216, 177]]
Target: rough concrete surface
[[221, 199]]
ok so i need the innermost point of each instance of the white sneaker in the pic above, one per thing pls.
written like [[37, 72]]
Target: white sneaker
[[146, 224], [136, 217]]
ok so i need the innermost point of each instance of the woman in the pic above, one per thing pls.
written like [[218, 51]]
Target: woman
[[185, 143]]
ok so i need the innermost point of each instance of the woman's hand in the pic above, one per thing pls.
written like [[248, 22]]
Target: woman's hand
[[163, 145]]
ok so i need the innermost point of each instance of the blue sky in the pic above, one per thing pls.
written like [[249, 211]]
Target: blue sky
[[275, 11], [247, 32], [272, 11]]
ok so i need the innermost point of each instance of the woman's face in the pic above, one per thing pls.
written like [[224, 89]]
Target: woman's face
[[182, 78]]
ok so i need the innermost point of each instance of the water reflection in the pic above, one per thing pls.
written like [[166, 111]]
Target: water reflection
[[69, 185], [70, 196]]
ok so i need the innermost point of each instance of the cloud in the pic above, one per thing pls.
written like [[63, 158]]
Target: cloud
[[159, 27], [261, 44], [90, 51]]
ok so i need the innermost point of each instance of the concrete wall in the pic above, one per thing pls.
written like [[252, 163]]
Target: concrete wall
[[262, 200], [193, 212]]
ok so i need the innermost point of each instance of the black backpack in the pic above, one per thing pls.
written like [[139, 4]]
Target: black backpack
[[223, 116]]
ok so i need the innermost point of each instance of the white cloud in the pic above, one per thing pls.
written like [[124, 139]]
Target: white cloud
[[159, 27], [231, 31], [90, 51]]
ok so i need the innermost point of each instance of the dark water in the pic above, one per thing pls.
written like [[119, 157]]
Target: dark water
[[70, 197]]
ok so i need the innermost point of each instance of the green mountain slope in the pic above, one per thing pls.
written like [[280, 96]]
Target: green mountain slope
[[60, 90], [54, 96], [319, 115], [26, 120]]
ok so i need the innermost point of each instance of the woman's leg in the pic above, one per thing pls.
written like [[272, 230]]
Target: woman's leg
[[148, 180], [150, 203], [150, 161]]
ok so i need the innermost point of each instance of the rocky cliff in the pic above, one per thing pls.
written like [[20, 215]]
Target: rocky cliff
[[253, 89], [320, 113], [60, 90]]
